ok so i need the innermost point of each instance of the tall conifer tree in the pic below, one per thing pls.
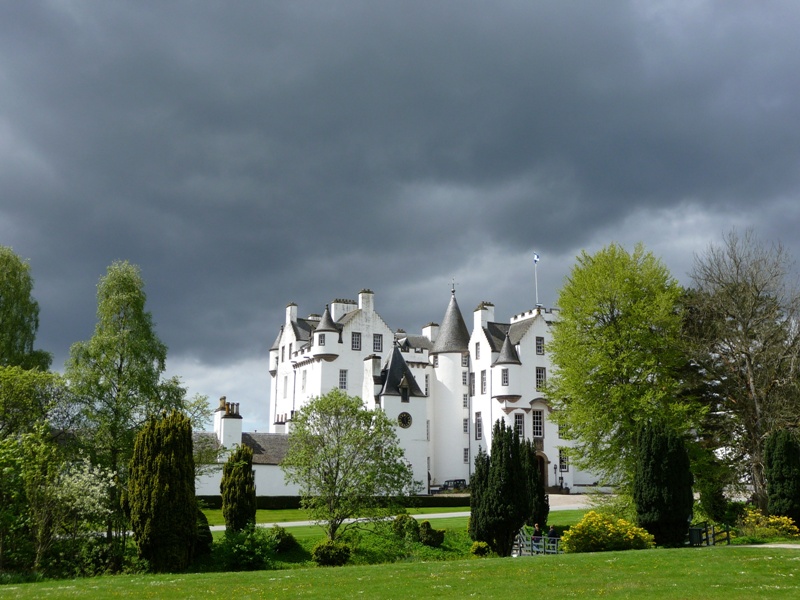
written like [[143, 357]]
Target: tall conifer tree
[[161, 493], [238, 488], [782, 471]]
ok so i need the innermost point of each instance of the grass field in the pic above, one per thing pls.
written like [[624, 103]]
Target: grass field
[[729, 572]]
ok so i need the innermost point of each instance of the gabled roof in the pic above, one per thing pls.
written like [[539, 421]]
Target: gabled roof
[[453, 334], [303, 328], [347, 317], [406, 341], [396, 374], [276, 344], [508, 354], [268, 448]]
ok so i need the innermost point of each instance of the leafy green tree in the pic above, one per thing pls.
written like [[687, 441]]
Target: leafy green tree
[[503, 502], [19, 315], [782, 470], [617, 357], [745, 307], [161, 494], [29, 397], [347, 461], [13, 505], [539, 503], [662, 485], [117, 376], [238, 489]]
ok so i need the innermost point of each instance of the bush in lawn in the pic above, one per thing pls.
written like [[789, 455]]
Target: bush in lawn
[[330, 554], [755, 525], [430, 536], [282, 540], [480, 549], [406, 527], [597, 533], [246, 549], [238, 489]]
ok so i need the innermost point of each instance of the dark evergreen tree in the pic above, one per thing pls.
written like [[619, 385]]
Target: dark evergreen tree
[[477, 498], [662, 486], [161, 495], [503, 504], [238, 488], [782, 471], [539, 503]]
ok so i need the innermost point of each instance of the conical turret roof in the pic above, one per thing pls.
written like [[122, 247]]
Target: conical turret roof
[[326, 322], [453, 334], [508, 354]]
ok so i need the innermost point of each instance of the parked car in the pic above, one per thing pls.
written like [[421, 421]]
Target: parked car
[[454, 484]]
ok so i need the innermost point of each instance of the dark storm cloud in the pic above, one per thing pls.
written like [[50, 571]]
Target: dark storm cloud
[[249, 154]]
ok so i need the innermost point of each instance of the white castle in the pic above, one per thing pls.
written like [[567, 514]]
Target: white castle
[[444, 387]]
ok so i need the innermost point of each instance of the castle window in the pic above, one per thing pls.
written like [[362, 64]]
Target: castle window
[[427, 384], [321, 339], [537, 426], [290, 351], [541, 378], [377, 342], [504, 377], [539, 345], [563, 461], [435, 360], [355, 341], [519, 425], [283, 353], [483, 381], [477, 350], [466, 425], [343, 379], [472, 384], [466, 455], [464, 376], [465, 399], [478, 426], [465, 360]]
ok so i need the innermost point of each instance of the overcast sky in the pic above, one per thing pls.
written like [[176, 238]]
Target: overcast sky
[[250, 154]]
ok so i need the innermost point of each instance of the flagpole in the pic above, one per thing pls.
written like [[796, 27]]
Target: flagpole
[[536, 278]]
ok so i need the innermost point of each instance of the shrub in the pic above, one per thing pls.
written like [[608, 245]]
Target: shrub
[[406, 527], [480, 549], [281, 540], [330, 554], [597, 533], [430, 536], [238, 489], [246, 549], [754, 524], [204, 539]]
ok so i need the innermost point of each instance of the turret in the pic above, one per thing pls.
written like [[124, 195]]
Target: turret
[[326, 338]]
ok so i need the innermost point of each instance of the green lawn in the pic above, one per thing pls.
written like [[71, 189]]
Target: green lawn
[[724, 572]]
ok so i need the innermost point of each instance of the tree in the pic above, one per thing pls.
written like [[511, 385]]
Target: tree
[[238, 489], [19, 315], [617, 357], [347, 461], [782, 470], [503, 502], [746, 341], [117, 376], [29, 397], [539, 504], [662, 485], [161, 495]]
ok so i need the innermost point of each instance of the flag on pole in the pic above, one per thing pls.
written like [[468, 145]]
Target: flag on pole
[[535, 257]]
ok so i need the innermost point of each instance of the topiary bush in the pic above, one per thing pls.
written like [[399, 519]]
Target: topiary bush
[[480, 549], [330, 554], [406, 527], [597, 533], [430, 536]]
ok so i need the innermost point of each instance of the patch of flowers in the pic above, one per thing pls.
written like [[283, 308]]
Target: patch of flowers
[[598, 533], [756, 524]]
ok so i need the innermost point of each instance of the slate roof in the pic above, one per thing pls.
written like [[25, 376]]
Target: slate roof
[[508, 354], [406, 341], [394, 373], [326, 322], [268, 448], [453, 334]]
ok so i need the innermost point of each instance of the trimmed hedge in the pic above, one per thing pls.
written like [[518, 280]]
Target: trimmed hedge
[[291, 502]]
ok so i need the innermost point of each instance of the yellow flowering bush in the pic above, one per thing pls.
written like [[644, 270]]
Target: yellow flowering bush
[[756, 524], [597, 533]]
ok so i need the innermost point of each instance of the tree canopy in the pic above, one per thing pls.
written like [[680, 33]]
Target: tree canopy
[[347, 461], [19, 315], [745, 310], [617, 357]]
